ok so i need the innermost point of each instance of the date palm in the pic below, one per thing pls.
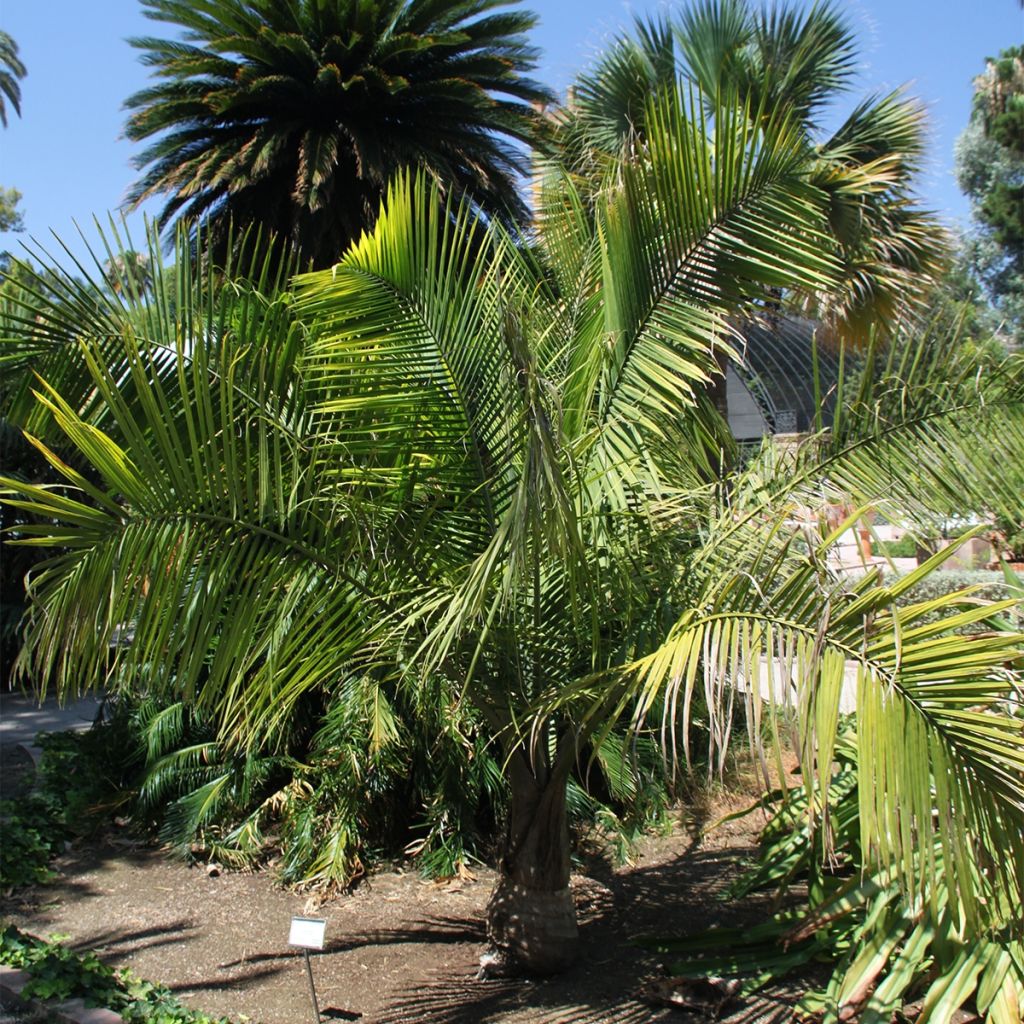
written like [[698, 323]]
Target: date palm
[[451, 456], [294, 116]]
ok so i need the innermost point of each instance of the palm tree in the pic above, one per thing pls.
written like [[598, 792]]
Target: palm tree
[[295, 115], [450, 456], [11, 69], [780, 58], [128, 270], [448, 382]]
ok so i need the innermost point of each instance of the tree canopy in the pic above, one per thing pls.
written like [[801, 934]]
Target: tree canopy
[[295, 116], [990, 169], [801, 62]]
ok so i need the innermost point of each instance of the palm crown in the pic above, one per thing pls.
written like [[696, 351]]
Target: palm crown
[[801, 62], [11, 69], [295, 115]]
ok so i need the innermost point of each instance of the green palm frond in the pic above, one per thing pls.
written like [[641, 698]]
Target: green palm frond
[[781, 63], [778, 56], [938, 712], [52, 323], [11, 69], [699, 228], [207, 527], [884, 948]]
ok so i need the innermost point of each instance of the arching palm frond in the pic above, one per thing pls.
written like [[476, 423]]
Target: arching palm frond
[[422, 324], [53, 321], [203, 550], [782, 63], [934, 709], [764, 625], [698, 230]]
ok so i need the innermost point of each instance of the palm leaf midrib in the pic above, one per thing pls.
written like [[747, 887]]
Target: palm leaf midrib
[[483, 458], [756, 188]]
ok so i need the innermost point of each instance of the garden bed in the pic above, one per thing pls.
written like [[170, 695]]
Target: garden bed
[[398, 948]]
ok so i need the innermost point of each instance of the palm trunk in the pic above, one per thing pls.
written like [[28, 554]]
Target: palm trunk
[[531, 917]]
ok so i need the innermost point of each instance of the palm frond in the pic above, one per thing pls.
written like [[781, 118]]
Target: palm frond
[[699, 228]]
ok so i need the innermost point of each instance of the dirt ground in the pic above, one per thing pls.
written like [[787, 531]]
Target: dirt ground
[[399, 949]]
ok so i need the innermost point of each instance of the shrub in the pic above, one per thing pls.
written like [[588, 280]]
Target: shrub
[[379, 772], [33, 833], [81, 780], [992, 586], [905, 547], [1014, 543]]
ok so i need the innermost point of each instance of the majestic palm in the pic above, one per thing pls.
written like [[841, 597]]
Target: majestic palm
[[451, 456], [780, 59], [295, 115]]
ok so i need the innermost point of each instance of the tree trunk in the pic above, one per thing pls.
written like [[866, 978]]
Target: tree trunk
[[531, 917]]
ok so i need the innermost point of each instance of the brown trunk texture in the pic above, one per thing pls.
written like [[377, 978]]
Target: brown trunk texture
[[531, 917]]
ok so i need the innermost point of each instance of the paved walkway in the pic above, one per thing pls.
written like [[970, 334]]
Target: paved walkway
[[21, 717]]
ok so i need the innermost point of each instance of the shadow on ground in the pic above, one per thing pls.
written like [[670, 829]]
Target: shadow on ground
[[400, 950], [674, 898]]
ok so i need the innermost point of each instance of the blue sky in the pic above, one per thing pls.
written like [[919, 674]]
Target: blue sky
[[67, 157]]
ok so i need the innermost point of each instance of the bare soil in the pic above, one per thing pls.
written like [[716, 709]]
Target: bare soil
[[399, 948]]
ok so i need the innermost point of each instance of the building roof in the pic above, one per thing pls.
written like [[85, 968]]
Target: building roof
[[777, 367]]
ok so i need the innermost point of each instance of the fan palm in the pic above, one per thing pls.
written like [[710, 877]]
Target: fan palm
[[449, 456], [778, 58], [294, 116]]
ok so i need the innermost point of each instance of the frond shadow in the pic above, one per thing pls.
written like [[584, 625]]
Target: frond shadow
[[615, 908]]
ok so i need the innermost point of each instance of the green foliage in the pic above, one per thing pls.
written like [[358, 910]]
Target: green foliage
[[905, 547], [383, 775], [982, 584], [81, 781], [884, 945], [33, 833], [977, 585], [295, 116], [1011, 541], [457, 471], [379, 773], [58, 973], [783, 61], [11, 70], [10, 216], [990, 169], [623, 796]]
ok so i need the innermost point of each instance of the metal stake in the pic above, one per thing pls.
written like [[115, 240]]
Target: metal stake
[[312, 988]]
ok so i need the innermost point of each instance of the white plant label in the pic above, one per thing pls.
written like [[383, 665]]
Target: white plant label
[[307, 932]]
